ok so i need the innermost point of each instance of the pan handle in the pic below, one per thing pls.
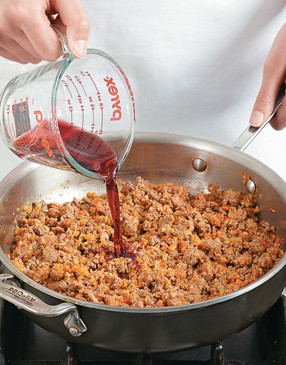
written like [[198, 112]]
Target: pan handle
[[250, 132], [29, 302]]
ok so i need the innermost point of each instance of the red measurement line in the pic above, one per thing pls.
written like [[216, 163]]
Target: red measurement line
[[8, 125], [83, 88], [93, 83], [67, 86], [14, 112], [20, 117], [70, 79], [21, 121], [98, 95], [26, 115], [69, 90], [8, 111], [93, 124], [101, 127]]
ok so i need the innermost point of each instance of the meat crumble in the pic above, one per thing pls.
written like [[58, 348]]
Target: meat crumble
[[181, 248]]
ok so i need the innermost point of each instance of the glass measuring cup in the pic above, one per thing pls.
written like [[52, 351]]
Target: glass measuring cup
[[72, 114]]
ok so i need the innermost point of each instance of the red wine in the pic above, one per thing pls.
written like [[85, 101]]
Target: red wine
[[89, 151]]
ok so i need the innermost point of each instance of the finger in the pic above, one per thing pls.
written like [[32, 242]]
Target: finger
[[24, 42], [278, 122], [77, 24], [10, 56], [20, 46], [30, 17], [44, 39], [273, 76]]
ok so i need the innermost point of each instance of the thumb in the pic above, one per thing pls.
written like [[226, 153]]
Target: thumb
[[74, 18]]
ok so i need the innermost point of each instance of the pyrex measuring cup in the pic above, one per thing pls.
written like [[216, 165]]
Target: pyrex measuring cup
[[75, 114]]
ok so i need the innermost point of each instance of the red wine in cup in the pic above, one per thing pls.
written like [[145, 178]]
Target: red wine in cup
[[89, 151]]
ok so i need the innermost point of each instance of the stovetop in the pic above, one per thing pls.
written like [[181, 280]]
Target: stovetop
[[23, 342]]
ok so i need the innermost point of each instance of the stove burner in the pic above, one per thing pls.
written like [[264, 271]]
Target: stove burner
[[24, 343]]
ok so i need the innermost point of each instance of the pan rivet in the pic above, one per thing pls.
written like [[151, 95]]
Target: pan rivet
[[199, 164], [73, 331], [250, 186]]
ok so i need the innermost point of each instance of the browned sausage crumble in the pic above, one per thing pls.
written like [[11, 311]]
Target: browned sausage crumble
[[183, 248]]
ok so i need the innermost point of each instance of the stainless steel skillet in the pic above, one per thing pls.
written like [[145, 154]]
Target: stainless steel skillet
[[159, 158]]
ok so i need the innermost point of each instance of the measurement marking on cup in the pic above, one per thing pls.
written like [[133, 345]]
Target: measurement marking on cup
[[14, 110], [92, 107], [26, 110], [20, 116], [45, 143], [70, 107], [8, 128], [79, 99], [101, 125], [21, 132], [22, 124], [14, 125], [67, 86], [82, 118], [71, 80], [93, 125], [80, 82], [88, 74], [99, 99]]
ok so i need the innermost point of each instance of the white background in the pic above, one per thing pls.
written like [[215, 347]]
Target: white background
[[195, 66]]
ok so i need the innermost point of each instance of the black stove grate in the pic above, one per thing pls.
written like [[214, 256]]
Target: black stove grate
[[22, 342]]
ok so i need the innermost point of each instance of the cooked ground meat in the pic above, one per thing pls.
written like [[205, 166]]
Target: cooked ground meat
[[181, 248]]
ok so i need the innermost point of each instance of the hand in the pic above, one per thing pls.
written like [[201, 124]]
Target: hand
[[26, 34], [273, 75]]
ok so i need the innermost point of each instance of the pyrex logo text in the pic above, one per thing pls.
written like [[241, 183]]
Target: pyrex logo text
[[39, 118], [113, 91]]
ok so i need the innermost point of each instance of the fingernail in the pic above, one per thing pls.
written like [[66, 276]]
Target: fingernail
[[80, 48], [256, 119]]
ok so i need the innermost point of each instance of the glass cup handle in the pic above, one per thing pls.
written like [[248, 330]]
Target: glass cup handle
[[62, 35]]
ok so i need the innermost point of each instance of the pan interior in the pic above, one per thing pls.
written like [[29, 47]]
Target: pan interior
[[159, 159]]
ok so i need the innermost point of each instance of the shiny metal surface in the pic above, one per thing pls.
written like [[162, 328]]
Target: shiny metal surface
[[23, 299], [159, 158], [251, 132], [250, 186], [199, 164]]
